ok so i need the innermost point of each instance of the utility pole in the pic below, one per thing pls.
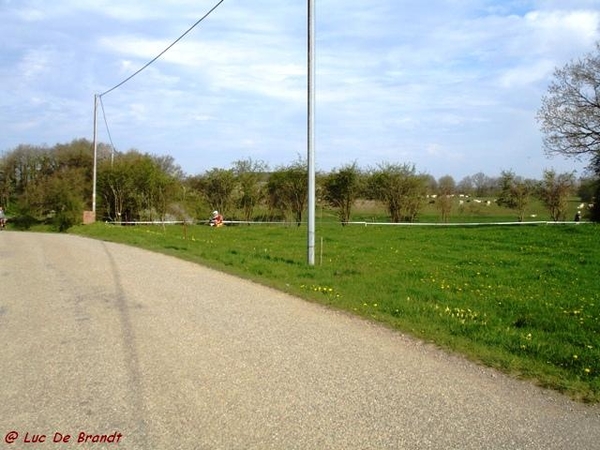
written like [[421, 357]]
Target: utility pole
[[95, 154], [311, 133]]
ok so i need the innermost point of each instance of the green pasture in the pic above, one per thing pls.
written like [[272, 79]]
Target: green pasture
[[464, 210], [524, 299]]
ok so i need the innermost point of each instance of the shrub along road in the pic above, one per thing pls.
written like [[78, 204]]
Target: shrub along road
[[111, 343]]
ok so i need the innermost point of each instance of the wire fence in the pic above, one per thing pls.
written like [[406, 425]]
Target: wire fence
[[359, 223]]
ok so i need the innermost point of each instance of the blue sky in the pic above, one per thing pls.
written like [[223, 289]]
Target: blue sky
[[452, 86]]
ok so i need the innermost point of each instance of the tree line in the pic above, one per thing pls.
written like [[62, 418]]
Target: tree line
[[55, 184]]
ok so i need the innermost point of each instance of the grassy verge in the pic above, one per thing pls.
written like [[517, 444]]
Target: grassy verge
[[522, 299]]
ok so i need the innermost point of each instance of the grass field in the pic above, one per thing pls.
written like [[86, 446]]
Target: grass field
[[523, 299]]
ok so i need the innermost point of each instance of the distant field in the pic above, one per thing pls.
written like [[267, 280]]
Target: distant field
[[523, 299], [466, 209]]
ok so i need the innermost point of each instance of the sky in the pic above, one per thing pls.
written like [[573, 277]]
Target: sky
[[451, 86]]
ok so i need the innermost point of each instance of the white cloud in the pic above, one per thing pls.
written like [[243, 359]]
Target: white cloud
[[556, 24], [524, 75]]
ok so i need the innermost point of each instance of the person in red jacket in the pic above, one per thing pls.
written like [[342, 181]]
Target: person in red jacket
[[216, 220]]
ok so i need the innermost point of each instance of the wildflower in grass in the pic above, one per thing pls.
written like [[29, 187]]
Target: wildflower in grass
[[587, 370], [322, 289], [466, 316]]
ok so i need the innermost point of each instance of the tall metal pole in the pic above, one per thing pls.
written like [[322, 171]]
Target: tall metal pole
[[311, 133], [95, 154]]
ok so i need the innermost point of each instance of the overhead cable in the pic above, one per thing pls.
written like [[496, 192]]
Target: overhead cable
[[165, 50], [114, 150]]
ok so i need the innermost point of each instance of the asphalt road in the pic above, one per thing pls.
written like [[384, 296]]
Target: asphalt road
[[145, 351]]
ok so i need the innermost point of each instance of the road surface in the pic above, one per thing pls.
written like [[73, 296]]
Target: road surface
[[108, 346]]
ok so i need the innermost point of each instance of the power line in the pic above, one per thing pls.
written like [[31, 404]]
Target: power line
[[107, 129], [164, 51], [96, 97]]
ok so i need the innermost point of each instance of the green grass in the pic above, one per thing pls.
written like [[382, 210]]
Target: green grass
[[522, 299]]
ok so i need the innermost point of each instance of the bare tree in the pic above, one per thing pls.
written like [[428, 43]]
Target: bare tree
[[465, 186], [570, 115], [482, 184], [570, 111]]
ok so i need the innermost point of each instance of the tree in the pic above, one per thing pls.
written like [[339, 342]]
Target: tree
[[340, 190], [570, 115], [586, 189], [5, 185], [248, 174], [167, 166], [218, 186], [287, 190], [555, 190], [21, 167], [570, 111], [62, 193], [136, 186], [116, 188], [465, 186], [45, 182], [445, 194], [515, 193], [595, 168], [400, 188], [416, 192], [482, 184]]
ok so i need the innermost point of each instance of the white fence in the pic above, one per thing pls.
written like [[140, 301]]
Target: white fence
[[360, 223]]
